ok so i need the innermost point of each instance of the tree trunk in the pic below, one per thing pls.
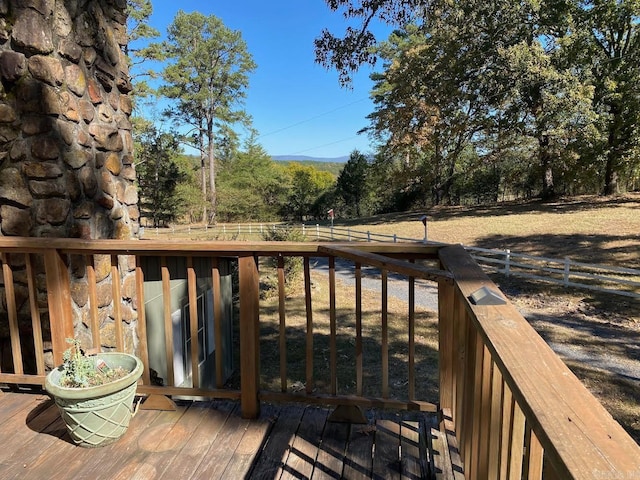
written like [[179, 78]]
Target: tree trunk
[[548, 188], [203, 175], [212, 170], [611, 186]]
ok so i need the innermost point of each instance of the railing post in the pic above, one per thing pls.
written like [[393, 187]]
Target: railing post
[[249, 336], [59, 302]]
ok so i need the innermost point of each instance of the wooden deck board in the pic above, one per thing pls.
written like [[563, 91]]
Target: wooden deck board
[[211, 440]]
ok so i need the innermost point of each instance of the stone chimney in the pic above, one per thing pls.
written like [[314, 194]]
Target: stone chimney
[[65, 135]]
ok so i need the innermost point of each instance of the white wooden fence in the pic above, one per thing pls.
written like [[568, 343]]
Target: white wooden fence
[[602, 278]]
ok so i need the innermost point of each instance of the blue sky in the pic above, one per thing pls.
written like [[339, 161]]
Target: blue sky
[[298, 107]]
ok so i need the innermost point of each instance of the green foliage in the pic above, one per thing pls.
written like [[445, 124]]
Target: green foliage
[[81, 371], [158, 176], [353, 185], [251, 187], [551, 85], [306, 186]]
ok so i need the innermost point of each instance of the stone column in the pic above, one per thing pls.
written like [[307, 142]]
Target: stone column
[[66, 164]]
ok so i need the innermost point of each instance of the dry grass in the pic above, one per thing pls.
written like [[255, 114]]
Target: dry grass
[[426, 342]]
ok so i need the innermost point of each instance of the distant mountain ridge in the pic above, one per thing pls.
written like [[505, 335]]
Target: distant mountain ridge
[[304, 158]]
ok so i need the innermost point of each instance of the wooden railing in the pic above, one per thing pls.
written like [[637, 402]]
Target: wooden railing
[[516, 409]]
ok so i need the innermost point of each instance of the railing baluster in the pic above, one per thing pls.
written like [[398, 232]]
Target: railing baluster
[[309, 337], [468, 394], [412, 333], [495, 427], [447, 346], [283, 328], [332, 326], [93, 301], [36, 321], [508, 403], [192, 289], [476, 407], [59, 302], [249, 280], [534, 454], [485, 413], [385, 335], [516, 441], [117, 301], [12, 312], [168, 324], [143, 347], [359, 366], [217, 321]]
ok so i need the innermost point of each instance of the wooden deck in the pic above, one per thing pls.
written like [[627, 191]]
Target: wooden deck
[[210, 440]]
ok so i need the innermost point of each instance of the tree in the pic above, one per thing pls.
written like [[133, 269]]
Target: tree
[[138, 50], [251, 186], [158, 175], [456, 72], [352, 183], [207, 76], [606, 46], [306, 186]]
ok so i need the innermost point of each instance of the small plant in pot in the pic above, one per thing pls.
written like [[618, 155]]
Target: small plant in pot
[[94, 394]]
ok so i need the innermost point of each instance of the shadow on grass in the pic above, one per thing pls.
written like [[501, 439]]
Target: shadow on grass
[[426, 357]]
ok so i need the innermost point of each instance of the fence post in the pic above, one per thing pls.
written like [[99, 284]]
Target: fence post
[[395, 238], [368, 236], [303, 229], [331, 232], [507, 260], [224, 229], [349, 233], [317, 232], [567, 269]]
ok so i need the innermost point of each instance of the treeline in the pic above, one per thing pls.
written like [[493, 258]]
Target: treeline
[[475, 102]]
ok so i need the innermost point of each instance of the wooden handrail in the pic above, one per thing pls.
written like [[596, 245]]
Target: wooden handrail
[[577, 435]]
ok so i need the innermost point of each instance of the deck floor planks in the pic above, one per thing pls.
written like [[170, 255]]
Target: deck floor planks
[[304, 448], [386, 457], [253, 439], [216, 459], [275, 452], [330, 458], [211, 440], [358, 461], [174, 438]]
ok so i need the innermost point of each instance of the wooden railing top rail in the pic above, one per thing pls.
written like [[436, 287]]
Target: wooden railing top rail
[[383, 262], [192, 247], [579, 436]]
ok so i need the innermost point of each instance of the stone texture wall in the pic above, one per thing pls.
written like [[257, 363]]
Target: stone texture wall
[[66, 164]]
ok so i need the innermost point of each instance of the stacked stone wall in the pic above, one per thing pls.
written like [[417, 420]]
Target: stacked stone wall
[[66, 148]]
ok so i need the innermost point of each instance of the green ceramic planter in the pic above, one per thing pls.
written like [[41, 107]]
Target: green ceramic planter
[[97, 416]]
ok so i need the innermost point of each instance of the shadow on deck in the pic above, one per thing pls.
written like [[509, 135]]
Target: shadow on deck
[[209, 439]]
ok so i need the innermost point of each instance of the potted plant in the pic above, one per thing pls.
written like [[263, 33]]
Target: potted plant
[[94, 394]]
